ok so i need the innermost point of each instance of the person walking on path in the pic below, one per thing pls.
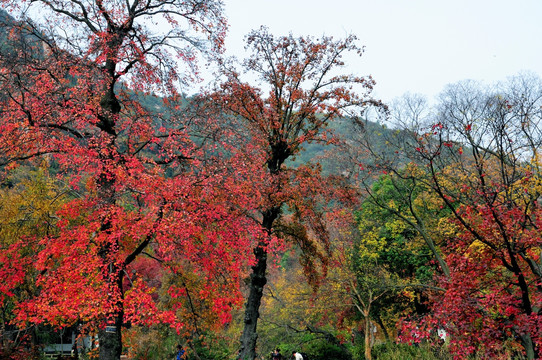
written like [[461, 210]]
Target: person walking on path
[[276, 355]]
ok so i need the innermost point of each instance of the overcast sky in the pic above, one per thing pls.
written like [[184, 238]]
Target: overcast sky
[[415, 46]]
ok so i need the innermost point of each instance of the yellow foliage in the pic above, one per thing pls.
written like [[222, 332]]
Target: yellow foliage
[[396, 227], [28, 206], [475, 247], [447, 228]]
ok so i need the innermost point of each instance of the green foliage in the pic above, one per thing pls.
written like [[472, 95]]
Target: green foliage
[[212, 347], [29, 199], [389, 239], [158, 342], [391, 351], [324, 350], [13, 37], [316, 348]]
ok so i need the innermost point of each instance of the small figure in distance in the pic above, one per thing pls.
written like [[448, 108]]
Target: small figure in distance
[[296, 355], [276, 355], [180, 352]]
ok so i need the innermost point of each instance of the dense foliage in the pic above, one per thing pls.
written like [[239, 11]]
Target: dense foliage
[[139, 220]]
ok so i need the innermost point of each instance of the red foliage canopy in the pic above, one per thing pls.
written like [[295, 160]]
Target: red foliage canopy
[[143, 186]]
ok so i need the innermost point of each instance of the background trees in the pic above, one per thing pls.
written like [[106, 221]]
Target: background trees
[[29, 200], [477, 155], [495, 207]]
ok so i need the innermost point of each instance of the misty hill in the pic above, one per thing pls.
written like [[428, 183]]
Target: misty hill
[[31, 39]]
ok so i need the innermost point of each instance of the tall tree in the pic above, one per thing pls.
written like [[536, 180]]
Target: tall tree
[[305, 92], [68, 93]]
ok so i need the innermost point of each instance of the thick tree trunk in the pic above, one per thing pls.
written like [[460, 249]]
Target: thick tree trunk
[[110, 341], [257, 282], [528, 345], [258, 279], [110, 337]]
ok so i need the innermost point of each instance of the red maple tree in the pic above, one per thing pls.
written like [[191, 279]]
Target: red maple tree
[[303, 92], [144, 186]]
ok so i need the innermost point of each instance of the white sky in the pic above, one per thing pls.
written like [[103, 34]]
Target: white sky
[[415, 46]]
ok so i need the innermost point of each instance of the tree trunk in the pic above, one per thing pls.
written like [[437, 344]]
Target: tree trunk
[[258, 279], [110, 341], [110, 337], [526, 340], [528, 345], [368, 355], [383, 327]]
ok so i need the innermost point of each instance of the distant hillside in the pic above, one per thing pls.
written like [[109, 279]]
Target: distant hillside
[[355, 134], [319, 152]]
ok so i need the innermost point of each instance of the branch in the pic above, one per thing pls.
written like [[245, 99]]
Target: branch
[[131, 257]]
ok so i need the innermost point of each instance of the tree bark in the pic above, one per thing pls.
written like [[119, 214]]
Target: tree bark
[[368, 355], [383, 327], [110, 336], [111, 342], [258, 279], [528, 345]]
